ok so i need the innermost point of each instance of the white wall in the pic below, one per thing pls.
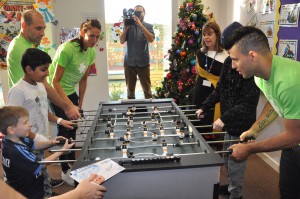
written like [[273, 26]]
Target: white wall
[[69, 14]]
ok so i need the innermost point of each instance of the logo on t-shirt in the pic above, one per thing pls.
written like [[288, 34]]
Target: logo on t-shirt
[[82, 68]]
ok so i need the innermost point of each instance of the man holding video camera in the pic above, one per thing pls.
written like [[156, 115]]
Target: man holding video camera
[[138, 34]]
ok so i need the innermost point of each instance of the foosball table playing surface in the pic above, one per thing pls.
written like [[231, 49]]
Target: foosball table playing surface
[[163, 154]]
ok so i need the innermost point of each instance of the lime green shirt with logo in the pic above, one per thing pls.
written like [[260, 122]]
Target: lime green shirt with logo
[[283, 88], [14, 55], [74, 62]]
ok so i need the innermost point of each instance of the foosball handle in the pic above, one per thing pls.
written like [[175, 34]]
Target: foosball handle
[[247, 139], [230, 151], [81, 112], [63, 141]]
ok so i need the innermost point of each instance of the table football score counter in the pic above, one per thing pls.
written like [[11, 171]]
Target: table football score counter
[[173, 163]]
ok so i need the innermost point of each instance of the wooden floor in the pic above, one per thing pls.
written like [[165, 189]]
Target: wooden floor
[[261, 181]]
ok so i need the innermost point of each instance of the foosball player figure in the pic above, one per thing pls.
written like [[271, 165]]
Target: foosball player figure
[[130, 120], [181, 136], [161, 130], [128, 113], [124, 151], [155, 111], [133, 108], [145, 131], [128, 130], [143, 123], [131, 154], [164, 148], [108, 120], [177, 129], [127, 138], [112, 133], [154, 137], [153, 117]]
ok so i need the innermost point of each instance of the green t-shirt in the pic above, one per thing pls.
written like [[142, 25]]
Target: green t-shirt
[[74, 62], [283, 88], [14, 55]]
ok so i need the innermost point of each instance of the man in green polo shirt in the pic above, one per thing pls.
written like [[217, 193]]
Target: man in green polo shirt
[[32, 30], [278, 79]]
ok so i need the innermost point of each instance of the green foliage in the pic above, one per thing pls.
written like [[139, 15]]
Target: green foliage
[[181, 75], [116, 92]]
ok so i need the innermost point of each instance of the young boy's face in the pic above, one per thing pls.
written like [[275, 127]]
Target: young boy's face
[[23, 127], [39, 74]]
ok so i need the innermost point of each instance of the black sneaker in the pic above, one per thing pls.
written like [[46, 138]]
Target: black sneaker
[[223, 190], [56, 183]]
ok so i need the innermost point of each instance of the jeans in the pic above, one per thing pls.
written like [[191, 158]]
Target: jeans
[[131, 74], [236, 170], [62, 131], [289, 182]]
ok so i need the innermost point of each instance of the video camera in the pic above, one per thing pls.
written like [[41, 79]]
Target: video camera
[[127, 15]]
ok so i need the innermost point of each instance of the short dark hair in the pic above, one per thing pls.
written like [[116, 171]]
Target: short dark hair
[[10, 115], [248, 38], [140, 7], [34, 57]]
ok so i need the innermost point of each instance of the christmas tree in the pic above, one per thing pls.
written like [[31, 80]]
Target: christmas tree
[[181, 75]]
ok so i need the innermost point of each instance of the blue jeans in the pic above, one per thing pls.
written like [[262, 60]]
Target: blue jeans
[[236, 170], [289, 182]]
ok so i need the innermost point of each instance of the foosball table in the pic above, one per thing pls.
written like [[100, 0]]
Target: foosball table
[[163, 154]]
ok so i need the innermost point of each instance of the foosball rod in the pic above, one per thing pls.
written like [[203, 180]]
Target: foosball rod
[[117, 148], [137, 113], [203, 126], [153, 122], [125, 118], [147, 107], [135, 138], [136, 123], [55, 161], [213, 133], [140, 131]]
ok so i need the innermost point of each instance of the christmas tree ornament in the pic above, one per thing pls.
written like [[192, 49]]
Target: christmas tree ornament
[[182, 54], [178, 51], [191, 41], [193, 62], [196, 32]]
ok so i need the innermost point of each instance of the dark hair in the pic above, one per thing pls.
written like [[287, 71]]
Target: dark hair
[[216, 28], [34, 57], [27, 16], [140, 7], [85, 26], [10, 115], [227, 32], [248, 38]]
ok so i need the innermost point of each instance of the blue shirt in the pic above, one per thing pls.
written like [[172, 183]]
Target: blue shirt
[[137, 49], [22, 170]]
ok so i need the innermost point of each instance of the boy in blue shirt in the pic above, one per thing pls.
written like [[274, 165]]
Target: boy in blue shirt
[[21, 166]]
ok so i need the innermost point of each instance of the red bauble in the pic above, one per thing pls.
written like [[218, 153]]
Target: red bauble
[[169, 75]]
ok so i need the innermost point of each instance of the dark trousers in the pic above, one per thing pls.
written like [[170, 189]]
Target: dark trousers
[[62, 131], [131, 74], [289, 182]]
